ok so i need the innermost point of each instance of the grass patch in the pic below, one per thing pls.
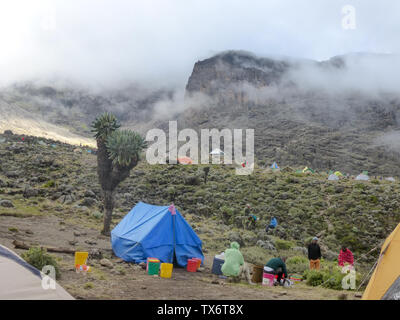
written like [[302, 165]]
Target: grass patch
[[21, 210]]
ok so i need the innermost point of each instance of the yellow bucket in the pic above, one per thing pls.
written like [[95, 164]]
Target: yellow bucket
[[80, 258], [166, 270]]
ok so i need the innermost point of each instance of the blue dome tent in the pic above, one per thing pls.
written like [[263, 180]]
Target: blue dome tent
[[158, 232], [274, 166]]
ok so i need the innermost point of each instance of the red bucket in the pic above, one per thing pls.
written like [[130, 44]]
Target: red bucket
[[191, 265]]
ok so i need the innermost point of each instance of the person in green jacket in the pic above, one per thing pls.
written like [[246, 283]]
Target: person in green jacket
[[234, 265], [277, 266]]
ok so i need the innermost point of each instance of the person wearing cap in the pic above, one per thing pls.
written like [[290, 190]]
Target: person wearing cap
[[314, 254]]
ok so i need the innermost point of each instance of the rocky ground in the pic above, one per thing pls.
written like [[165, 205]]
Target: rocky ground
[[49, 195]]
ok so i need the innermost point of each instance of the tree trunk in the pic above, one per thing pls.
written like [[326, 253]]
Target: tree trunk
[[108, 209]]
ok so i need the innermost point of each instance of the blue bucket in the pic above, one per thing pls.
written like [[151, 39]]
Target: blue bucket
[[216, 267]]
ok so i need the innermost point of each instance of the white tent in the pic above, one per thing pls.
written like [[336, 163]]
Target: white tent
[[21, 281], [217, 152], [363, 177], [333, 177], [391, 179]]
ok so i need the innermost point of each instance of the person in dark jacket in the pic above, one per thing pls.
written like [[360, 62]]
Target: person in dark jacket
[[314, 254], [277, 266]]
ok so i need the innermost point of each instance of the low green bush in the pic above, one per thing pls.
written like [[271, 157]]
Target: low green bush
[[297, 264], [38, 257], [283, 244], [329, 277], [49, 184]]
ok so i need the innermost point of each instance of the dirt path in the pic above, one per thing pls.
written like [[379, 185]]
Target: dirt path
[[129, 281]]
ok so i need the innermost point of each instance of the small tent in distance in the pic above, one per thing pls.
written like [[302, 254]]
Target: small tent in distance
[[217, 151], [155, 231], [185, 160], [333, 177], [391, 179], [274, 166], [308, 170], [363, 176], [385, 281]]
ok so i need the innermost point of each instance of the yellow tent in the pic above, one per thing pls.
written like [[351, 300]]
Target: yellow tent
[[385, 281], [338, 173], [307, 170]]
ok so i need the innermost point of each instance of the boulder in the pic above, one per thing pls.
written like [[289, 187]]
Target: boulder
[[106, 263], [30, 192], [235, 236], [265, 245], [95, 254], [6, 204], [88, 202], [89, 194], [301, 250], [12, 174]]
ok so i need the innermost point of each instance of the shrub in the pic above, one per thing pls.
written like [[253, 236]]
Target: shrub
[[88, 285], [38, 257], [49, 184], [283, 244], [97, 215], [313, 278], [297, 264], [226, 213], [330, 277]]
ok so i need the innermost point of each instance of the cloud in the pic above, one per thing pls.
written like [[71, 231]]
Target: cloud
[[156, 42]]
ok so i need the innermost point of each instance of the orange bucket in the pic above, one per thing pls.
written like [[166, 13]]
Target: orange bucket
[[198, 262], [191, 265]]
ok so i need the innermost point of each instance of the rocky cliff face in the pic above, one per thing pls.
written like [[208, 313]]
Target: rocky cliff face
[[303, 112]]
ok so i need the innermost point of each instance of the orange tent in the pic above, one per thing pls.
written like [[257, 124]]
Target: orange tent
[[185, 160]]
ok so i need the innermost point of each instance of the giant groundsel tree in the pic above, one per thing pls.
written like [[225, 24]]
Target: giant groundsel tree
[[118, 152]]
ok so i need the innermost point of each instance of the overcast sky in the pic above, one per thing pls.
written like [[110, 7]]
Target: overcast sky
[[158, 41]]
